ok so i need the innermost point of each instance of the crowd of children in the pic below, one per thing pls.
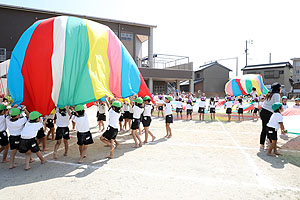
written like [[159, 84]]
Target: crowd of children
[[27, 130]]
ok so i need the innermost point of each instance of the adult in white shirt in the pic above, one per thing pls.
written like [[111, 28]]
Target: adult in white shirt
[[266, 112]]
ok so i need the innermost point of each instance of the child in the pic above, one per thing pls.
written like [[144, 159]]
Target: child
[[212, 108], [202, 106], [62, 130], [240, 108], [160, 105], [130, 115], [189, 109], [15, 124], [137, 112], [297, 103], [109, 136], [169, 116], [84, 136], [41, 137], [275, 122], [146, 118], [179, 108], [101, 117], [228, 105], [121, 118], [284, 102], [3, 135], [50, 124], [28, 143], [255, 105], [126, 114]]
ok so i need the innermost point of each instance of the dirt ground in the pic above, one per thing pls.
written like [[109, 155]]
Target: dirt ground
[[203, 160]]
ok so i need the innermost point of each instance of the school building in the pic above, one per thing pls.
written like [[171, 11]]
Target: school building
[[161, 72], [273, 72]]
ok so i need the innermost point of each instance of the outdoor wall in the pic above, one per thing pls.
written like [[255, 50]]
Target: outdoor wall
[[215, 78], [186, 66]]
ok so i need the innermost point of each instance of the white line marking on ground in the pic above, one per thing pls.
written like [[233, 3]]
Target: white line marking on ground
[[263, 181]]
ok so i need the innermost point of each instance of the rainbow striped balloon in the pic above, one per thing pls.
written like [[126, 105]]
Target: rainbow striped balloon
[[69, 61], [243, 85]]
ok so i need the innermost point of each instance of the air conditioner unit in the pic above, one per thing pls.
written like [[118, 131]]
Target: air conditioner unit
[[2, 54]]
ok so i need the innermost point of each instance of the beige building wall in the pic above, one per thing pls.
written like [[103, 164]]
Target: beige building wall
[[296, 71]]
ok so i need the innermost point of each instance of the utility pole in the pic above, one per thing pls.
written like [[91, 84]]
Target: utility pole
[[246, 51]]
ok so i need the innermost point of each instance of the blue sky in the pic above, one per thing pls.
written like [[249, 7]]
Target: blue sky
[[202, 30]]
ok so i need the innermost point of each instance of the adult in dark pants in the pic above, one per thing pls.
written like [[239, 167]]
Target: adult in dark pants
[[272, 97]]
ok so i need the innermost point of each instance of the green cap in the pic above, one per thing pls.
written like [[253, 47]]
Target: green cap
[[169, 98], [276, 106], [61, 107], [297, 99], [2, 107], [147, 98], [79, 108], [14, 112], [116, 104], [34, 115], [138, 100], [284, 97]]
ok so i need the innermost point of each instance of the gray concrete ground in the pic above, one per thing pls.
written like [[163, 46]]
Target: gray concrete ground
[[203, 160]]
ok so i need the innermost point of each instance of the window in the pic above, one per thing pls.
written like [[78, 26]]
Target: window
[[297, 64], [281, 72], [126, 36], [197, 75], [271, 74]]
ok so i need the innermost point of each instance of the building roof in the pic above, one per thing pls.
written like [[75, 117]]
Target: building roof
[[187, 82], [203, 67], [269, 65], [76, 15]]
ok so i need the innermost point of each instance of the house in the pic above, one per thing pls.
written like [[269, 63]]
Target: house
[[273, 72], [296, 71], [210, 79]]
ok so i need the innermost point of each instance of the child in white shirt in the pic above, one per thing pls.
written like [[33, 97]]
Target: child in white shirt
[[109, 136], [297, 103], [101, 117], [15, 124], [62, 130], [228, 105], [160, 106], [240, 108], [275, 122], [202, 106], [189, 109], [212, 108], [255, 105], [169, 116], [28, 143], [179, 108], [3, 135], [284, 102], [137, 112], [146, 118], [84, 136], [126, 107]]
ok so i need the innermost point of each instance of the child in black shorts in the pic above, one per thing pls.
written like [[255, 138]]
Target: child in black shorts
[[3, 135], [137, 112], [62, 130], [101, 117], [28, 143], [15, 124], [109, 136], [189, 109], [228, 106], [202, 106], [169, 116], [275, 122], [126, 115], [146, 118], [84, 136], [50, 121], [240, 108], [212, 108]]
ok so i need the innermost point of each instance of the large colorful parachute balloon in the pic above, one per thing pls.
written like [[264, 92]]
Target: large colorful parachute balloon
[[68, 61], [243, 85], [291, 119]]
